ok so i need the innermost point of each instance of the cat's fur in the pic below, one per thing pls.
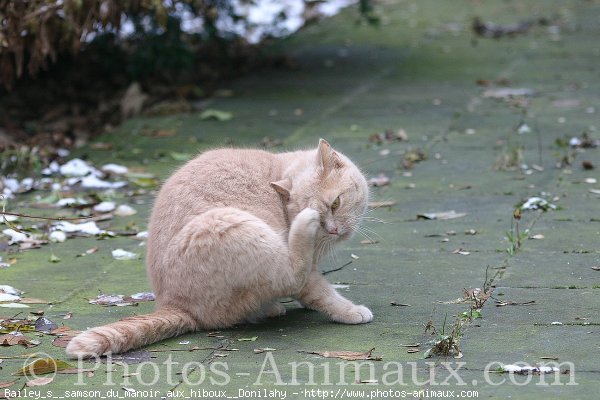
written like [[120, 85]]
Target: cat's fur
[[234, 230]]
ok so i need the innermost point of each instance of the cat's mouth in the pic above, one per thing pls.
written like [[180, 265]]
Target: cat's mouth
[[339, 235]]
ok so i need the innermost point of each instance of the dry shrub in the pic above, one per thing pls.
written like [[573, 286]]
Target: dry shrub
[[35, 31]]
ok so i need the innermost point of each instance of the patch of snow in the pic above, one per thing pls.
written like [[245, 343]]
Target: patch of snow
[[16, 237], [14, 305], [523, 128], [528, 369], [93, 182], [10, 184], [26, 184], [63, 152], [534, 203], [77, 167], [115, 169], [9, 218], [10, 290], [57, 236], [105, 206], [120, 254], [87, 227], [52, 168], [506, 93], [332, 7], [9, 297], [124, 210], [70, 201], [276, 18]]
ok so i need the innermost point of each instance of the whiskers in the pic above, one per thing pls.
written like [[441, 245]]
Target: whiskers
[[363, 230], [326, 246], [375, 219], [366, 232]]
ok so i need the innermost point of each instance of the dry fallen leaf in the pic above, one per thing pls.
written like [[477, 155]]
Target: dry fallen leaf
[[380, 204], [348, 355], [505, 93], [14, 339], [379, 180], [8, 384], [29, 300], [160, 133], [262, 350], [39, 381], [461, 252], [250, 339], [389, 136], [586, 164], [441, 215], [395, 303], [369, 241], [43, 366], [369, 381], [64, 336], [88, 252], [500, 303], [476, 294], [217, 115]]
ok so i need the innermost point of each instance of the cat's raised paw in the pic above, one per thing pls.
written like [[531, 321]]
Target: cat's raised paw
[[309, 218], [355, 315]]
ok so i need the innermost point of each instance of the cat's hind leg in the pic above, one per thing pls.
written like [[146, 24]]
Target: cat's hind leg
[[225, 265]]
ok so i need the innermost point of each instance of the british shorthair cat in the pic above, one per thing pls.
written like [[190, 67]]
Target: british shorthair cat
[[234, 230]]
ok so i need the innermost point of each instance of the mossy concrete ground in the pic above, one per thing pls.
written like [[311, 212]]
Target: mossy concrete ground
[[417, 71]]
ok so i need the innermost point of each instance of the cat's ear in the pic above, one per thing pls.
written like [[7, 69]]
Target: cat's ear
[[283, 187], [328, 158]]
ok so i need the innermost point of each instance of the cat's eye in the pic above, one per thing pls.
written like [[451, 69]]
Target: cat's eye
[[336, 203]]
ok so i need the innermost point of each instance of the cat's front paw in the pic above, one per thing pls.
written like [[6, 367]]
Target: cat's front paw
[[355, 315], [309, 219]]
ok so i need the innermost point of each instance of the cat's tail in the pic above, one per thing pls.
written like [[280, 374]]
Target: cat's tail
[[131, 333]]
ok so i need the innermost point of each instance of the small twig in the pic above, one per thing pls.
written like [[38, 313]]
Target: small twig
[[539, 142], [501, 303], [337, 269], [45, 218], [188, 350], [487, 284]]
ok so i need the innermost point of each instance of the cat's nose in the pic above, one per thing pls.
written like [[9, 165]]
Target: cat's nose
[[332, 230]]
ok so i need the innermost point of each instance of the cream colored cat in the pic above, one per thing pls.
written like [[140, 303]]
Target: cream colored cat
[[233, 231]]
